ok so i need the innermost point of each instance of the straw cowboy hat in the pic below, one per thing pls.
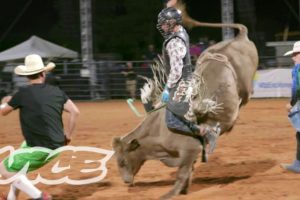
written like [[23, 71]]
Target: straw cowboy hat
[[296, 49], [33, 65]]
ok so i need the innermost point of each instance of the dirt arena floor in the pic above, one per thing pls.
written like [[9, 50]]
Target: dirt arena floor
[[244, 166]]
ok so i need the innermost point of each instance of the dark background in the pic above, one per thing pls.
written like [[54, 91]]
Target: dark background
[[126, 27]]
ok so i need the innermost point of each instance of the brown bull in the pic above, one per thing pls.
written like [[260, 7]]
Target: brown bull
[[227, 69], [152, 140], [240, 52]]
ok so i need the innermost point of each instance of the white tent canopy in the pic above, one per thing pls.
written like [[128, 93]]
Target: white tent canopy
[[36, 45]]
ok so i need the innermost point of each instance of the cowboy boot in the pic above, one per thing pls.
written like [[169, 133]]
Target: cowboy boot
[[211, 135], [294, 167]]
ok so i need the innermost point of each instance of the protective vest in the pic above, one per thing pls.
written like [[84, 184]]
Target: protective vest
[[178, 103], [187, 64]]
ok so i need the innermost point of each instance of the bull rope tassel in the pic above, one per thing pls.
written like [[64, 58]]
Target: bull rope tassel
[[204, 104], [152, 89]]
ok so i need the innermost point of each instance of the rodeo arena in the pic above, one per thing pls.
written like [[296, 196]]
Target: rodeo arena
[[224, 126]]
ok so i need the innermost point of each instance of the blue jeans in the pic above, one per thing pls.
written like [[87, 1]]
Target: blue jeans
[[179, 124]]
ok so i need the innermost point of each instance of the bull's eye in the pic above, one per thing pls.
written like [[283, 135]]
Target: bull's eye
[[122, 163]]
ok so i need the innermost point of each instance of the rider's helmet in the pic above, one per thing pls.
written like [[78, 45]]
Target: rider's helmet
[[170, 17]]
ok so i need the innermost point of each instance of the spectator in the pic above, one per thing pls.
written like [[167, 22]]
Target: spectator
[[151, 53], [131, 76], [148, 56], [211, 42], [203, 43], [195, 52]]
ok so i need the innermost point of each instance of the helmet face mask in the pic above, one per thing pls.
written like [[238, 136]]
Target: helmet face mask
[[168, 18]]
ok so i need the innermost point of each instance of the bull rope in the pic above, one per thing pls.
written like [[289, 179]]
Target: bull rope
[[133, 108], [153, 88], [137, 113], [218, 57]]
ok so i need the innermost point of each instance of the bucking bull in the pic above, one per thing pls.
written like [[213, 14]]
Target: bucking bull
[[225, 71]]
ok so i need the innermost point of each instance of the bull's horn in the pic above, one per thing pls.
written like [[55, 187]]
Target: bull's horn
[[116, 143], [133, 145]]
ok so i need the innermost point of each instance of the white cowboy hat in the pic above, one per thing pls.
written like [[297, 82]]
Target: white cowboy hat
[[296, 49], [33, 65]]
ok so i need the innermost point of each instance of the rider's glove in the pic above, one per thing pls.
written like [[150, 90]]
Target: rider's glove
[[165, 95]]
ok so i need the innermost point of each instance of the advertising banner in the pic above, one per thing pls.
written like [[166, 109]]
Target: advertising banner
[[272, 83]]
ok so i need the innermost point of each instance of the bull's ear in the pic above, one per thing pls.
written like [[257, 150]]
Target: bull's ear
[[117, 144], [133, 145]]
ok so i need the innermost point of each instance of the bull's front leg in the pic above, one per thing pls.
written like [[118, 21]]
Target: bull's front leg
[[188, 182], [183, 178]]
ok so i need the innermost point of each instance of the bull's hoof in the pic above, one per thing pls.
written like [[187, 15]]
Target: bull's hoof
[[166, 196], [184, 191], [204, 157], [131, 185]]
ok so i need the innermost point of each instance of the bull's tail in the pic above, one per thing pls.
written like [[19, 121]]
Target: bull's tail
[[243, 31], [191, 23]]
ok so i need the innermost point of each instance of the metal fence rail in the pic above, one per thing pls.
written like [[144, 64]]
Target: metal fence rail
[[75, 81], [110, 82]]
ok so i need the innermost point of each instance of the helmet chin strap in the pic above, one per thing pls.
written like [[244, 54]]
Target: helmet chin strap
[[171, 31]]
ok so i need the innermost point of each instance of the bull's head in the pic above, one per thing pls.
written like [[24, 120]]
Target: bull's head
[[128, 159]]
